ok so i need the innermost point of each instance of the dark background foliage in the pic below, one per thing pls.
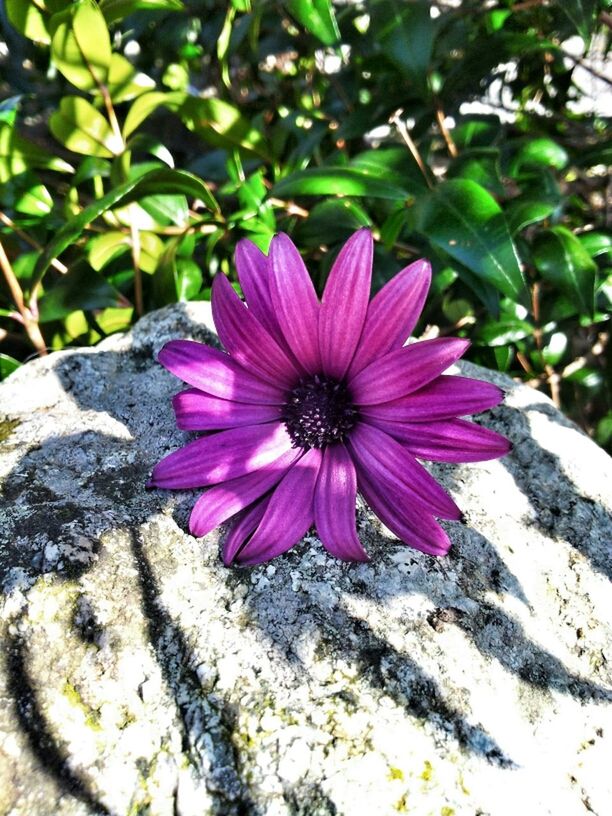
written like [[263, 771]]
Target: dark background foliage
[[141, 139]]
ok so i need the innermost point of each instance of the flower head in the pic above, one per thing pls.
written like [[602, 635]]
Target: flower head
[[314, 401]]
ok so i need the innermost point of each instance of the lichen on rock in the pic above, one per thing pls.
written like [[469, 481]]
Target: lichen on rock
[[140, 676]]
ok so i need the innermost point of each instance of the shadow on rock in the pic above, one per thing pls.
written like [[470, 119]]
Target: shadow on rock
[[556, 501], [53, 758]]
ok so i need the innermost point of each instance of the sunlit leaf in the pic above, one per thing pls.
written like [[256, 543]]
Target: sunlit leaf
[[81, 46], [562, 260], [317, 16], [118, 9], [222, 125], [461, 218], [152, 183], [18, 155], [336, 181], [125, 82], [146, 104], [83, 129]]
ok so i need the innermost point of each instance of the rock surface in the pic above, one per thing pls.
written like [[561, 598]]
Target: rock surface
[[140, 676]]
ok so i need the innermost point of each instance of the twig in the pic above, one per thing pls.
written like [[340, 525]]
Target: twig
[[29, 321], [552, 378], [135, 244], [290, 206], [112, 116], [446, 135], [524, 362], [396, 120], [8, 222]]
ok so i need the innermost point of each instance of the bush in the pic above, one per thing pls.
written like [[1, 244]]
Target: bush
[[140, 139]]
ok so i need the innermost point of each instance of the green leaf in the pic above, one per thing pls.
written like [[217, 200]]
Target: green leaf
[[26, 195], [28, 20], [125, 82], [392, 164], [83, 129], [146, 104], [176, 279], [336, 181], [537, 153], [597, 243], [502, 332], [31, 17], [503, 357], [524, 212], [80, 288], [143, 143], [331, 221], [461, 218], [562, 260], [317, 16], [118, 9], [214, 120], [81, 46], [167, 210], [555, 348], [106, 248], [102, 249], [405, 33], [18, 155], [152, 183], [7, 365], [479, 164], [222, 125], [9, 108], [583, 15]]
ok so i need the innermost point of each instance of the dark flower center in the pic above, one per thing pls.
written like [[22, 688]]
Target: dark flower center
[[318, 412]]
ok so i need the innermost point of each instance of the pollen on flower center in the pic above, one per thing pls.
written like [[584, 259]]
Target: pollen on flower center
[[318, 412]]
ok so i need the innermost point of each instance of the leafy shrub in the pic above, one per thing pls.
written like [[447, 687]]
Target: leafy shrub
[[140, 139]]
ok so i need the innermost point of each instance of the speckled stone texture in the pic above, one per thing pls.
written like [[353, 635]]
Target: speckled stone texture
[[138, 675]]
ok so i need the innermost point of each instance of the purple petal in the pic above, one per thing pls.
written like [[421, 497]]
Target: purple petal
[[246, 339], [446, 397], [225, 500], [288, 515], [393, 313], [386, 461], [295, 302], [221, 456], [405, 370], [334, 505], [254, 276], [410, 525], [244, 526], [452, 440], [197, 411], [216, 373], [345, 303]]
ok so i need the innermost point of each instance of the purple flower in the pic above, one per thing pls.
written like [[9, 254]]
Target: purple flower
[[314, 401]]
